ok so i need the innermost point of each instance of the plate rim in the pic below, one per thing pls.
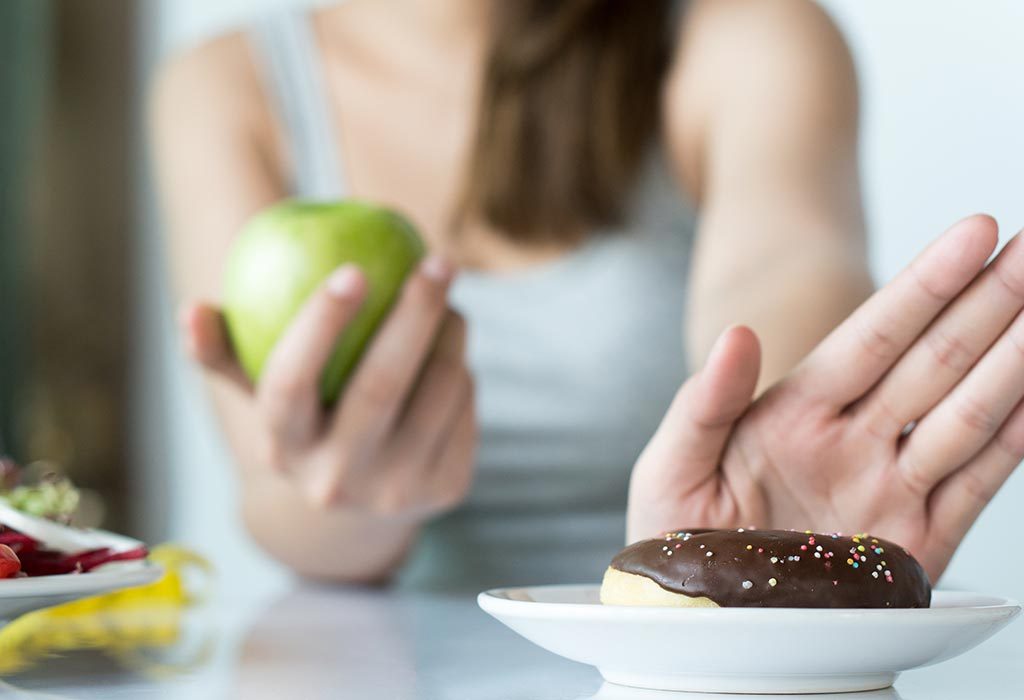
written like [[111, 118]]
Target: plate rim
[[492, 602], [75, 584], [587, 632]]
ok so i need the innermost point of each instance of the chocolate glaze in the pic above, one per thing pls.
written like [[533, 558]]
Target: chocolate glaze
[[780, 569]]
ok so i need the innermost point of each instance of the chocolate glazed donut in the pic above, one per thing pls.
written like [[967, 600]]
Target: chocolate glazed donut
[[766, 569]]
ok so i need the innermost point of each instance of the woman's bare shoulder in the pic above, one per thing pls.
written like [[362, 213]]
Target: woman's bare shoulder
[[207, 105], [739, 20], [774, 58], [214, 82]]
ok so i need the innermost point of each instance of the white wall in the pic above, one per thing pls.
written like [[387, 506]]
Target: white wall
[[943, 103], [943, 137]]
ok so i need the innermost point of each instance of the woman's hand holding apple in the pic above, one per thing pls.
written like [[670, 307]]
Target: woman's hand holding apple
[[401, 440]]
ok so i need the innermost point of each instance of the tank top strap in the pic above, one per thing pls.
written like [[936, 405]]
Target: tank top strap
[[285, 49]]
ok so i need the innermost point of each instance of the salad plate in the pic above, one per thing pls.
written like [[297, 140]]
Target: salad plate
[[44, 560], [22, 595], [747, 650]]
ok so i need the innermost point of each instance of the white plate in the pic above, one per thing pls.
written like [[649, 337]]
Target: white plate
[[747, 650], [21, 595]]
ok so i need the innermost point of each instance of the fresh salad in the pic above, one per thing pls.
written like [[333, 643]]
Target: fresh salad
[[36, 538]]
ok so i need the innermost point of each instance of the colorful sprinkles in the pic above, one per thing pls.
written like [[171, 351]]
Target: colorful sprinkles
[[863, 550]]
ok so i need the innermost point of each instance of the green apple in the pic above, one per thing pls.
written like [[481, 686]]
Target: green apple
[[286, 251]]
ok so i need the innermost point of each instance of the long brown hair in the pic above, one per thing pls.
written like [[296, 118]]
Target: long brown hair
[[570, 103]]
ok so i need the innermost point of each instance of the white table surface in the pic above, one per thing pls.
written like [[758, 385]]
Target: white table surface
[[307, 642]]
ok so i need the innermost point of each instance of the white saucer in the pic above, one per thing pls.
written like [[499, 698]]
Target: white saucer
[[21, 595], [747, 650], [611, 691]]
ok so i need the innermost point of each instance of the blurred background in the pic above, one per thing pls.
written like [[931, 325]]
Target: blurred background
[[91, 376]]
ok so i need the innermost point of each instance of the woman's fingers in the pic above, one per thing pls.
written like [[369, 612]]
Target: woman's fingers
[[412, 480], [443, 385], [380, 385], [865, 346], [206, 342], [950, 346], [288, 391], [697, 425], [377, 390], [402, 481], [424, 479], [957, 502], [454, 466], [970, 416], [443, 390]]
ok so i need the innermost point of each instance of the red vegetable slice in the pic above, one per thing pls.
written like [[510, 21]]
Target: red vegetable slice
[[50, 563], [9, 562], [18, 542], [47, 548]]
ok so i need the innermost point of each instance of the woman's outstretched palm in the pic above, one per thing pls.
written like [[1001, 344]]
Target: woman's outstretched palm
[[904, 422]]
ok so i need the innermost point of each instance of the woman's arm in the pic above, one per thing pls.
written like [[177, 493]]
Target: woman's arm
[[761, 115], [335, 495], [909, 416]]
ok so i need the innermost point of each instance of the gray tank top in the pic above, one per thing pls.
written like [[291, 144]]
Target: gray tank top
[[575, 360]]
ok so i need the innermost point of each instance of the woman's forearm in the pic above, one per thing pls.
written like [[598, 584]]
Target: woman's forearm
[[771, 158], [791, 300]]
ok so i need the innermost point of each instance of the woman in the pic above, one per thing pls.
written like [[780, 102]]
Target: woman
[[555, 155]]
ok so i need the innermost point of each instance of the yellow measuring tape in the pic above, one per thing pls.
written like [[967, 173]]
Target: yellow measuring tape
[[123, 623]]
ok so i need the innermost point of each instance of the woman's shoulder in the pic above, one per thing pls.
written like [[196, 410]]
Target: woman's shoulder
[[735, 20], [782, 28], [737, 57], [209, 99], [737, 45], [217, 75]]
